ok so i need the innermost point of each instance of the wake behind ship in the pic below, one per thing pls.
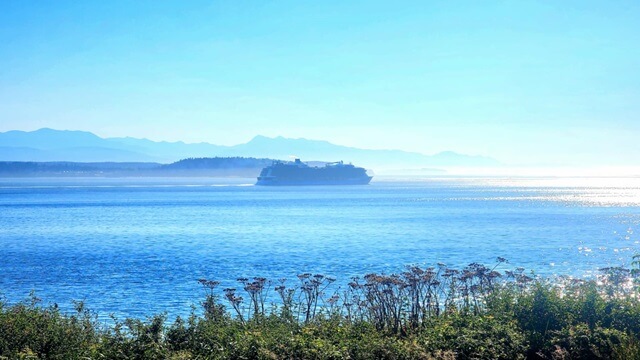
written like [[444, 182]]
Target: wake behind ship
[[299, 173]]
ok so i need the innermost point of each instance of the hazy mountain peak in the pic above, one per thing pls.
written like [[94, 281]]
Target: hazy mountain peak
[[282, 139], [259, 138], [51, 132], [447, 153], [46, 138]]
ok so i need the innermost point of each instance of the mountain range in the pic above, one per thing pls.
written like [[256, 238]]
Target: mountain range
[[81, 146]]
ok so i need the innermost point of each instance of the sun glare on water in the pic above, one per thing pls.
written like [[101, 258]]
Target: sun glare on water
[[589, 191]]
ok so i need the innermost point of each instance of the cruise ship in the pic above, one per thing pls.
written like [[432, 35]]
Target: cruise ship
[[299, 173]]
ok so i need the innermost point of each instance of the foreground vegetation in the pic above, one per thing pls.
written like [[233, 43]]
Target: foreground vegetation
[[433, 313]]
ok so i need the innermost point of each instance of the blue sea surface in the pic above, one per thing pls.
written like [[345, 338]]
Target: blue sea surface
[[136, 246]]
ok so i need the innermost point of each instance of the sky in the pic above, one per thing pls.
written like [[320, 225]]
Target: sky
[[526, 82]]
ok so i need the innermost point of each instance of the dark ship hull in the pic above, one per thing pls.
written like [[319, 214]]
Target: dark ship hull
[[299, 173]]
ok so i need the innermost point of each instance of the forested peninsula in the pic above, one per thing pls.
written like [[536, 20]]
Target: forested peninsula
[[214, 166]]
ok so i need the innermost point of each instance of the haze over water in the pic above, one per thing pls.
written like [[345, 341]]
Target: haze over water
[[136, 247]]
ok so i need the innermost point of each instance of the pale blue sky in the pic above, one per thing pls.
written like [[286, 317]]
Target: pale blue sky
[[526, 82]]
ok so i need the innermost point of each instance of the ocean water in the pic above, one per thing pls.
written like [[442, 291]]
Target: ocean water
[[136, 247]]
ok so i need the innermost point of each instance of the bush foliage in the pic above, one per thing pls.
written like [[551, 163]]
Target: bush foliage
[[433, 313]]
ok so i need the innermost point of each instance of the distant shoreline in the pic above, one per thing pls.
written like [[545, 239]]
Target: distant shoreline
[[228, 167]]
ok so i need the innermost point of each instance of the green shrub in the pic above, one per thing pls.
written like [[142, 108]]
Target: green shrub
[[475, 337], [582, 342], [27, 330]]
